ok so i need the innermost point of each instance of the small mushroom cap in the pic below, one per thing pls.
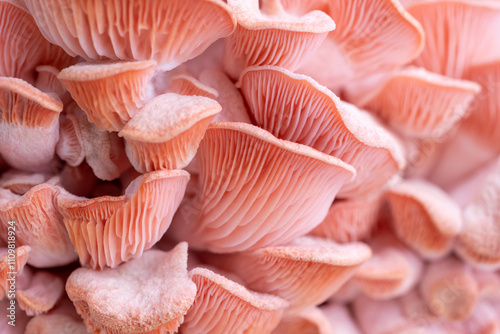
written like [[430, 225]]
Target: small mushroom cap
[[70, 146], [29, 121], [322, 265], [20, 182], [454, 53], [185, 30], [39, 225], [421, 103], [340, 319], [43, 292], [424, 217], [107, 230], [271, 36], [251, 184], [110, 93], [351, 219], [224, 306], [47, 81], [147, 295], [311, 321], [392, 271], [186, 85], [449, 289], [295, 107], [371, 37], [55, 323]]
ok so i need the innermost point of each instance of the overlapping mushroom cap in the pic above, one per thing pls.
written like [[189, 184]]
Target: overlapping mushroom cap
[[108, 230], [256, 190], [170, 32], [147, 295], [296, 108]]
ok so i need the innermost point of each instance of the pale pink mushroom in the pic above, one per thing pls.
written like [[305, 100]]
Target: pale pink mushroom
[[224, 306], [340, 319], [424, 217], [311, 321], [167, 131], [70, 146], [267, 35], [29, 125], [420, 103], [55, 323], [304, 272], [106, 231], [479, 242], [351, 219], [187, 85], [257, 190], [371, 37], [20, 182], [449, 289], [295, 107], [110, 93], [392, 271], [471, 37], [47, 81], [23, 46], [170, 32], [41, 292], [39, 225], [147, 295]]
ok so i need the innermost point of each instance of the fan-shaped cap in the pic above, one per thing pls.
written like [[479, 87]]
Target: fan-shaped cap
[[147, 295], [39, 225], [233, 106], [20, 182], [421, 103], [107, 231], [271, 36], [322, 265], [110, 93], [371, 37], [55, 323], [340, 319], [479, 242], [29, 121], [90, 29], [350, 220], [47, 81], [42, 293], [187, 85], [23, 46], [257, 190], [294, 107], [449, 289], [452, 54], [483, 124], [311, 320], [224, 306], [167, 131], [12, 262], [392, 271], [424, 217]]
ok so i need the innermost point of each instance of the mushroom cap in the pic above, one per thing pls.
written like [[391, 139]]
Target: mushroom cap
[[147, 295], [224, 306], [322, 265], [257, 190], [424, 217], [371, 37], [29, 121], [392, 271], [311, 320], [47, 81], [11, 263], [20, 182], [420, 103], [351, 219], [271, 36], [167, 131], [295, 107], [170, 32], [110, 93], [449, 289], [340, 319], [452, 54], [39, 225], [70, 147], [55, 323], [42, 293], [107, 230], [479, 241], [187, 85]]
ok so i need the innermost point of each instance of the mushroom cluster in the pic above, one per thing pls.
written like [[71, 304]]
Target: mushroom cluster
[[250, 166]]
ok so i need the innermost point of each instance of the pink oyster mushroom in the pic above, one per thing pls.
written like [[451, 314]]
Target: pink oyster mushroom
[[333, 165]]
